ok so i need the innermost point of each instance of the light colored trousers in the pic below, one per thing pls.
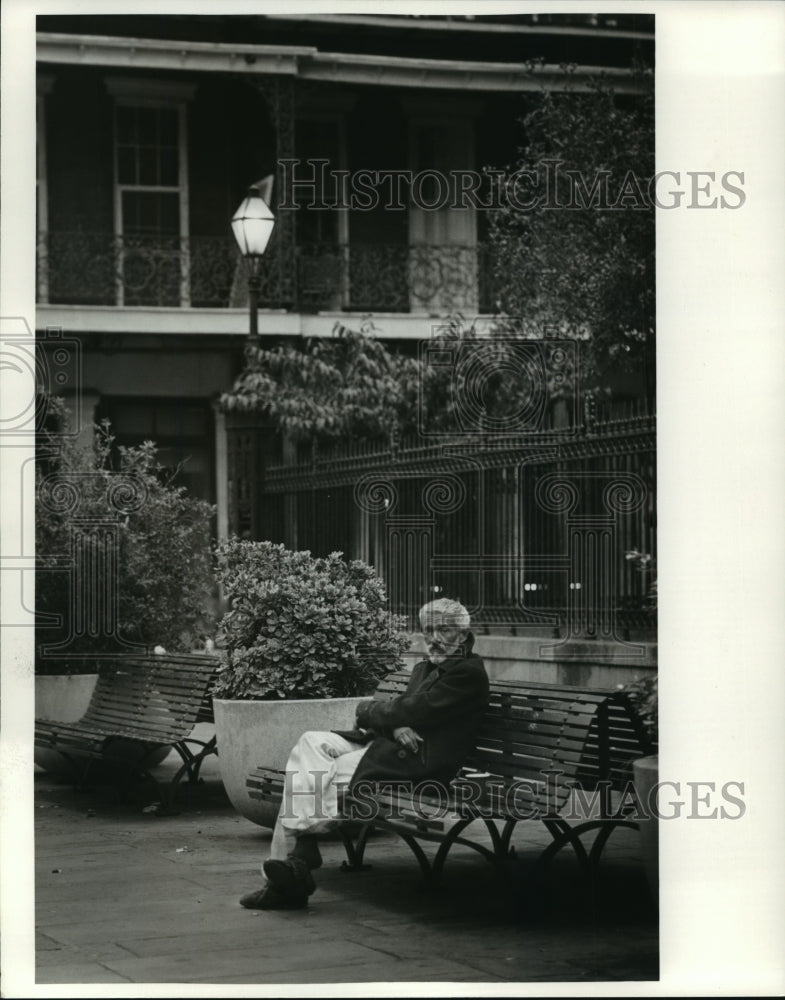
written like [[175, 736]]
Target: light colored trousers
[[318, 767]]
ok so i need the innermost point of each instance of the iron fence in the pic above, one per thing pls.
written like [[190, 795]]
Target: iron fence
[[530, 532], [83, 268]]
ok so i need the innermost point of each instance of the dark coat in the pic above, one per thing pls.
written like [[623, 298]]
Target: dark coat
[[444, 703]]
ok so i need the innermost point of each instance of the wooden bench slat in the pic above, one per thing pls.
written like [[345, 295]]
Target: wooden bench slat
[[523, 743], [529, 751], [529, 770], [110, 722], [400, 678], [567, 728], [545, 722]]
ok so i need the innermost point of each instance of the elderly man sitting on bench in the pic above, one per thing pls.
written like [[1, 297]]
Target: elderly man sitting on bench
[[427, 732]]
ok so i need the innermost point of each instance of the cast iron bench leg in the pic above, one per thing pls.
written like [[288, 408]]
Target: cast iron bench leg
[[563, 834], [355, 849], [430, 877], [497, 856], [501, 839], [609, 825], [192, 762]]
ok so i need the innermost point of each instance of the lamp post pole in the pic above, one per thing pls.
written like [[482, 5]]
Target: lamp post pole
[[252, 225], [254, 283]]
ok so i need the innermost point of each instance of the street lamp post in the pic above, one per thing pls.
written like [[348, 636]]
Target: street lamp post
[[252, 225]]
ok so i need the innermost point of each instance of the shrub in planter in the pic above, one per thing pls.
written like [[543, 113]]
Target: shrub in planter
[[302, 627], [303, 640], [156, 546]]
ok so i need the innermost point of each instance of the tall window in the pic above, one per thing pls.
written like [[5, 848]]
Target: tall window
[[151, 192]]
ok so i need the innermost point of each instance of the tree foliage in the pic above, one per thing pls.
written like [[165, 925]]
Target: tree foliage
[[346, 386], [353, 387], [643, 696], [164, 583], [587, 270]]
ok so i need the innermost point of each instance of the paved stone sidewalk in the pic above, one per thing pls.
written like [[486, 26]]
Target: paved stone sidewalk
[[125, 896]]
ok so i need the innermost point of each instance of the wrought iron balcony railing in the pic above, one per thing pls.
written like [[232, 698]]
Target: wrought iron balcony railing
[[79, 268]]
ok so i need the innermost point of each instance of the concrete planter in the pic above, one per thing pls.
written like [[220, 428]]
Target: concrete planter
[[63, 697], [645, 775], [60, 698], [250, 733]]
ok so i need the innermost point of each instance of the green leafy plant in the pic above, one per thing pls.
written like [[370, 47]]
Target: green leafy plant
[[647, 567], [583, 265], [352, 387], [346, 386], [152, 561], [302, 627], [643, 696]]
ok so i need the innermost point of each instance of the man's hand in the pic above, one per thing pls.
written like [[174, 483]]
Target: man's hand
[[329, 751], [407, 738]]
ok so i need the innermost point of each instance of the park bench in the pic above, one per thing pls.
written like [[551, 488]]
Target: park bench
[[555, 753], [141, 705]]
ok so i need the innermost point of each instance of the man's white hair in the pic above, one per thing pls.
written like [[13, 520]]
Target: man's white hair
[[451, 612]]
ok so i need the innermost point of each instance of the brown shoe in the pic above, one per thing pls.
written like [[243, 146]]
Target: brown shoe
[[270, 898], [290, 876]]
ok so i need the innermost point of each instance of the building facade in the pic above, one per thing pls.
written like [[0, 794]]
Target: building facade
[[150, 130]]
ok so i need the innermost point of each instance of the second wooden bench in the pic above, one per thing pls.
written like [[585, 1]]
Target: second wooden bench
[[140, 706]]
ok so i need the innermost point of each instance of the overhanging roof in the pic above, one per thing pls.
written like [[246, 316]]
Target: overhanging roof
[[424, 23], [309, 63]]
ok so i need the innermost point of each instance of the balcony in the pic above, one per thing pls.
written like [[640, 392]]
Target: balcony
[[98, 269]]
